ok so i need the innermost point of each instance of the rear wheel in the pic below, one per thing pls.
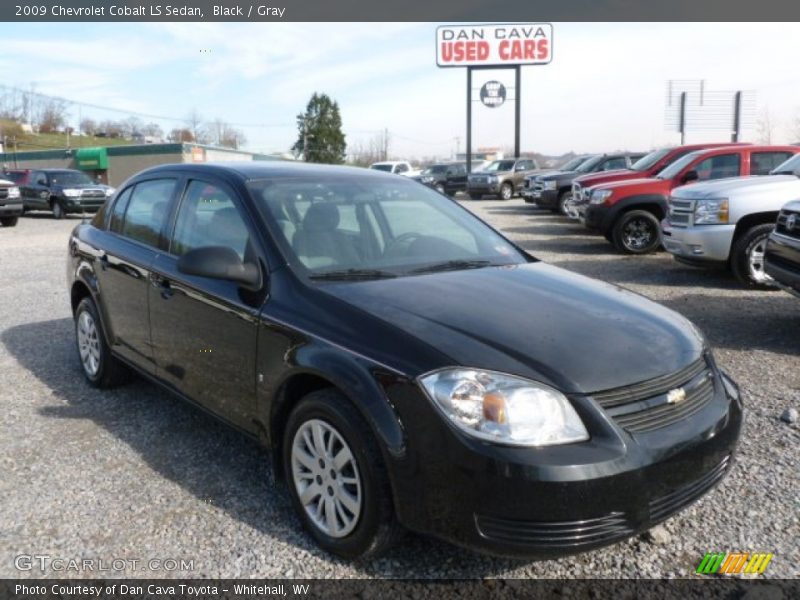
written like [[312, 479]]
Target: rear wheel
[[337, 478], [58, 210], [100, 368], [636, 232], [747, 257], [9, 221], [506, 191]]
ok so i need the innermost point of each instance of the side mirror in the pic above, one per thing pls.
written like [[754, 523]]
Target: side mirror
[[220, 262], [690, 176]]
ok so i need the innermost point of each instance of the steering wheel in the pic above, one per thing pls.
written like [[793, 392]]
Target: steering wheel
[[403, 239]]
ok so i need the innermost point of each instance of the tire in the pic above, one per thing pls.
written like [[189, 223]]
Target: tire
[[563, 198], [58, 210], [92, 348], [374, 528], [439, 188], [506, 191], [9, 221], [747, 257], [636, 232]]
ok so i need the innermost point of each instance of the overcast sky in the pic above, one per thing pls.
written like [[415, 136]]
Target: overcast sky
[[605, 88]]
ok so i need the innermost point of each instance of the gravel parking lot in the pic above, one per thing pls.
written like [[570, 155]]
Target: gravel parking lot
[[136, 474]]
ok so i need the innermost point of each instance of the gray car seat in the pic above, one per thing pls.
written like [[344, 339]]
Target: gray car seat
[[320, 243]]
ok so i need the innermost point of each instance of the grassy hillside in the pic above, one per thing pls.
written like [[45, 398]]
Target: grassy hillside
[[53, 141]]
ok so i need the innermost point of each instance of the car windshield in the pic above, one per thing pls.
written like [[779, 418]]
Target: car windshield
[[789, 167], [672, 170], [573, 164], [500, 165], [649, 160], [435, 169], [70, 178], [589, 164], [387, 168], [356, 227]]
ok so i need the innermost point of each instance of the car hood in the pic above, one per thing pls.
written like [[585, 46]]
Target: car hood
[[597, 178], [484, 173], [533, 320], [722, 187], [560, 175]]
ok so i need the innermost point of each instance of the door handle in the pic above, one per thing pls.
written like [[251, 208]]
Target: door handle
[[163, 286]]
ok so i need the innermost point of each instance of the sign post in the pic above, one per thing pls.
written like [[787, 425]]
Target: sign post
[[495, 46]]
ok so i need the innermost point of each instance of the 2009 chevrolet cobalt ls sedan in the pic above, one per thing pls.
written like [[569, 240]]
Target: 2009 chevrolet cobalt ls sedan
[[380, 340]]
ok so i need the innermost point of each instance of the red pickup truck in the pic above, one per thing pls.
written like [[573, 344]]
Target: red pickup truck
[[647, 166], [629, 212]]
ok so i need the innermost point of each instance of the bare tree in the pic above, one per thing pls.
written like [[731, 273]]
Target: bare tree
[[88, 126], [764, 127], [794, 129], [181, 135], [152, 130], [52, 114], [194, 123]]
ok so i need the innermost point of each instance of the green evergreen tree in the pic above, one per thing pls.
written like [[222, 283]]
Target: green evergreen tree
[[320, 138]]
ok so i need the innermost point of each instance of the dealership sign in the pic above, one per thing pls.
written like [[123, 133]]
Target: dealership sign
[[494, 45]]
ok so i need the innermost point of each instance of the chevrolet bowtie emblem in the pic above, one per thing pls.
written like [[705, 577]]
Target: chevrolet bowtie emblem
[[675, 396]]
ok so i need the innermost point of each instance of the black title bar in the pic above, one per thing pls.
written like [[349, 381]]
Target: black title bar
[[407, 10]]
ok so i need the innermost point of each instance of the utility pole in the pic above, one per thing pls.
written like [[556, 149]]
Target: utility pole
[[386, 144]]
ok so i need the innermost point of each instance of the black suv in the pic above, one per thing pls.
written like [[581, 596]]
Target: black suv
[[445, 178], [782, 255], [406, 364], [62, 191], [554, 191]]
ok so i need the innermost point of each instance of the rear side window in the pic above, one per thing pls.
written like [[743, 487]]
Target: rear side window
[[719, 167], [118, 212], [147, 210], [761, 163], [615, 163]]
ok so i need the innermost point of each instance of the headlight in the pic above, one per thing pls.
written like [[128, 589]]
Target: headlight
[[503, 408], [492, 179], [110, 191], [70, 193], [600, 196], [711, 212], [550, 184], [13, 192]]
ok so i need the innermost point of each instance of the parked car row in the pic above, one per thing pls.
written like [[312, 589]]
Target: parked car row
[[708, 205], [62, 191]]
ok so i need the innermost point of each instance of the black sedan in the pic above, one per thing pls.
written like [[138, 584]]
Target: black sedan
[[379, 339]]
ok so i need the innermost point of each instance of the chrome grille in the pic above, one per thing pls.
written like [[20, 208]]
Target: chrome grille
[[93, 194], [680, 212], [651, 405], [781, 226]]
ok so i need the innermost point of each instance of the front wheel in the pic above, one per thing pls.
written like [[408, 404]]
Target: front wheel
[[636, 232], [439, 188], [564, 200], [9, 221], [506, 191], [747, 257], [58, 210], [337, 478]]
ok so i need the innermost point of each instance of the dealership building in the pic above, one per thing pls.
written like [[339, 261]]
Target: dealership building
[[114, 164]]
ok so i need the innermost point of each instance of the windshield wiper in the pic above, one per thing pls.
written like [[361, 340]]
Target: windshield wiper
[[452, 265], [353, 275]]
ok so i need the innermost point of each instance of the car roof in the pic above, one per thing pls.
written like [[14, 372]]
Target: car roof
[[251, 170], [743, 148]]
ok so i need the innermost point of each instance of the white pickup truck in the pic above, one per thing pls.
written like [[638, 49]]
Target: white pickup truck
[[398, 167], [727, 222]]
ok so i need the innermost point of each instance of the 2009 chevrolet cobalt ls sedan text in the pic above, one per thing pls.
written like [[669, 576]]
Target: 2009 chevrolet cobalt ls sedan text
[[406, 364]]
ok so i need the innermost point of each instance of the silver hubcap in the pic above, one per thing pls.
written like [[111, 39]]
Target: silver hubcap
[[566, 204], [756, 262], [326, 478], [88, 344], [638, 234], [505, 193]]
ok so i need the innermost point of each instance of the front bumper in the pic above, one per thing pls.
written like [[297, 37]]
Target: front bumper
[[553, 501], [11, 210], [698, 244], [483, 188], [79, 205], [596, 216], [783, 262], [548, 199]]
